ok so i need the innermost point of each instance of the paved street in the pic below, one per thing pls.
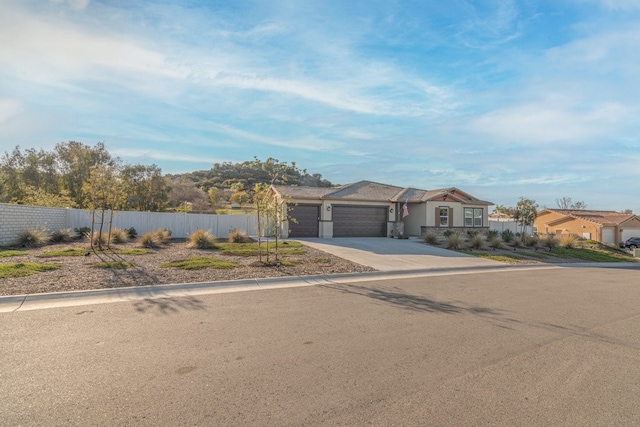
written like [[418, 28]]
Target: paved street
[[539, 347]]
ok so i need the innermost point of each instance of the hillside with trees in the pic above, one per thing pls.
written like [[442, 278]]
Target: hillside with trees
[[65, 177]]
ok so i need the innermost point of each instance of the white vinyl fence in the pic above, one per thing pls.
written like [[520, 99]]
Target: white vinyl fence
[[509, 225], [15, 219]]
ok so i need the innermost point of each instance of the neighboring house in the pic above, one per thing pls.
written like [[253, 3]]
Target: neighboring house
[[370, 209], [604, 226]]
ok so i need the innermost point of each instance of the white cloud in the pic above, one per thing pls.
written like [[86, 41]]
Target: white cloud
[[74, 4], [9, 108]]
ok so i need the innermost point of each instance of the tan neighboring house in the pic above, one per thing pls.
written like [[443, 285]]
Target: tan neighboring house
[[371, 209], [604, 226]]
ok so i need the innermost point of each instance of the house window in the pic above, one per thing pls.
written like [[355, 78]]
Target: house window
[[444, 217], [473, 217]]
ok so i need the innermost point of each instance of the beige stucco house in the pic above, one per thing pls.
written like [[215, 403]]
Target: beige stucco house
[[604, 226], [371, 209]]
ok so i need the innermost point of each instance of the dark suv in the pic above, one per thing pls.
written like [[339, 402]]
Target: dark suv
[[632, 243]]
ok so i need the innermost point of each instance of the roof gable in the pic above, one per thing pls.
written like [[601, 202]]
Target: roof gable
[[376, 192], [598, 217], [365, 190]]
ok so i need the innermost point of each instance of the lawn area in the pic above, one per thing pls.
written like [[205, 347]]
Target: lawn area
[[252, 249], [4, 253], [22, 269], [83, 252], [197, 263]]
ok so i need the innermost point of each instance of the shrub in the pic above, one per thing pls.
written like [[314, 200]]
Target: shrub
[[496, 243], [448, 233], [64, 235], [33, 238], [549, 241], [477, 242], [491, 234], [201, 239], [118, 235], [431, 238], [82, 231], [507, 236], [132, 233], [531, 241], [149, 239], [97, 238], [472, 233], [163, 234], [453, 241], [569, 241], [237, 236]]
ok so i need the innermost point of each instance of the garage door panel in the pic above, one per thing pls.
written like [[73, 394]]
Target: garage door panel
[[359, 221], [306, 221]]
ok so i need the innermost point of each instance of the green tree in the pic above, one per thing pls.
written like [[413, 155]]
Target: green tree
[[146, 188], [12, 188], [38, 197], [75, 163], [525, 213], [241, 198]]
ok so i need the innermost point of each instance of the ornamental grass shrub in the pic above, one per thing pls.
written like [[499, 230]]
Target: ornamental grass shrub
[[453, 241], [238, 236], [477, 242], [33, 238], [201, 239], [569, 241], [431, 238], [64, 235], [118, 235]]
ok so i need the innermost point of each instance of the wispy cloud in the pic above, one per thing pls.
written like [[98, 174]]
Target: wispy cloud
[[504, 97]]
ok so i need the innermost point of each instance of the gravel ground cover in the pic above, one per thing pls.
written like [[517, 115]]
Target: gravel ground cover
[[80, 272]]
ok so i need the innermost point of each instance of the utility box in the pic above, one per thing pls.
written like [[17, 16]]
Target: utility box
[[636, 253]]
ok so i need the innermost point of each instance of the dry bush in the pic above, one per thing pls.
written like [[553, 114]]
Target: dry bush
[[64, 235], [476, 242], [201, 239], [163, 234], [237, 236], [33, 238], [118, 235], [569, 241], [431, 238], [496, 243], [550, 241], [149, 239], [453, 241]]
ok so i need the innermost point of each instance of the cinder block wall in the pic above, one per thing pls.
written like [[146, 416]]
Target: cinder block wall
[[15, 219]]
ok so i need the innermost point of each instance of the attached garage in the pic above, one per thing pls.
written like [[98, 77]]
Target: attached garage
[[359, 221], [306, 221]]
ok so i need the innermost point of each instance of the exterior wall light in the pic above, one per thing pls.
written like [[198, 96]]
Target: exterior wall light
[[329, 208], [390, 210]]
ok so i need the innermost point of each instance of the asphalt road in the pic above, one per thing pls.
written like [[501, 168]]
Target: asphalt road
[[543, 347]]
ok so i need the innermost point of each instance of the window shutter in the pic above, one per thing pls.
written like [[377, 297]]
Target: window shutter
[[437, 217], [450, 217]]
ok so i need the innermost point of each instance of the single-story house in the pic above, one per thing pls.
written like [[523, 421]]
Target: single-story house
[[371, 209], [604, 226]]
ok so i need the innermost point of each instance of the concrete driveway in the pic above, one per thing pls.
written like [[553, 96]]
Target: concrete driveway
[[386, 254]]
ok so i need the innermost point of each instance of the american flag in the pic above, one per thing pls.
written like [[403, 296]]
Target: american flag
[[405, 209]]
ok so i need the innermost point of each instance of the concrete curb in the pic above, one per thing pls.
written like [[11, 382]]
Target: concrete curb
[[15, 303]]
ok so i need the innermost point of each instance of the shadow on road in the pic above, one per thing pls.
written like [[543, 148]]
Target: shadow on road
[[400, 299], [169, 305]]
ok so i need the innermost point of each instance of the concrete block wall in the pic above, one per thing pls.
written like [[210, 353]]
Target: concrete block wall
[[15, 219]]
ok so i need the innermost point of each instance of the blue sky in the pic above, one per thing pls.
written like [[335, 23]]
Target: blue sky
[[502, 99]]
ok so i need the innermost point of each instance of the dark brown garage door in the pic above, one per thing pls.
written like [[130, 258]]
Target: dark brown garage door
[[359, 221], [306, 221]]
